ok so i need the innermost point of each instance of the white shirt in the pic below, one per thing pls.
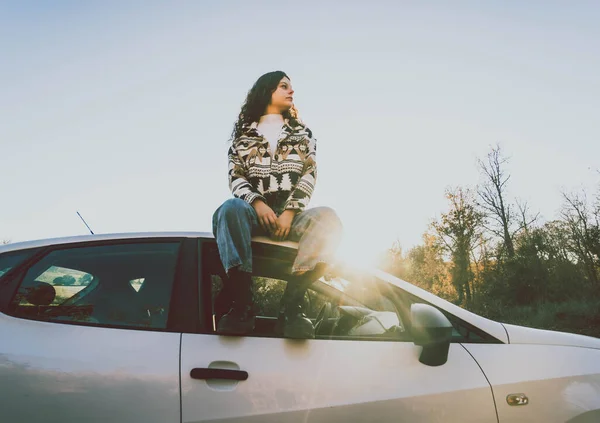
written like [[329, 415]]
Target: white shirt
[[269, 126]]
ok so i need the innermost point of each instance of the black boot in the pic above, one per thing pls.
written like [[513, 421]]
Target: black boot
[[240, 320], [223, 300], [295, 323], [291, 322]]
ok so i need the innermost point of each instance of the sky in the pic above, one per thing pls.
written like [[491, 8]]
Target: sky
[[122, 110]]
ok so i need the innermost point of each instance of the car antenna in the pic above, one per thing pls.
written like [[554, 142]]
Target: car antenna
[[85, 223]]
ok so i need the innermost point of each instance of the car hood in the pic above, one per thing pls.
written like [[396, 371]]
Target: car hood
[[525, 335]]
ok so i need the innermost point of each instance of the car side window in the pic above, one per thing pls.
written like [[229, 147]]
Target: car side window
[[267, 293], [340, 308], [124, 285]]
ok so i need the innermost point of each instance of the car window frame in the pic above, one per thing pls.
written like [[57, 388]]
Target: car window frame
[[177, 321], [209, 252]]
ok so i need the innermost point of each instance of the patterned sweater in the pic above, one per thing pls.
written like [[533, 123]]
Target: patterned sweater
[[284, 179]]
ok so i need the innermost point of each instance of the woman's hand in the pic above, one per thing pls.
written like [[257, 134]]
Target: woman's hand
[[266, 216], [285, 223]]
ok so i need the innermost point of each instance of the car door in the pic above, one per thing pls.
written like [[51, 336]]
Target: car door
[[86, 335], [263, 378]]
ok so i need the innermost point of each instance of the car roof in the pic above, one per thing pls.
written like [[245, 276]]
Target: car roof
[[24, 245]]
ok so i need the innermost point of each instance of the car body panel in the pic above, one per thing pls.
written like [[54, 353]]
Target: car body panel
[[525, 335], [314, 381], [51, 372], [561, 382]]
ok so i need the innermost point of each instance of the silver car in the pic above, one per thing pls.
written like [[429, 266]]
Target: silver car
[[120, 328]]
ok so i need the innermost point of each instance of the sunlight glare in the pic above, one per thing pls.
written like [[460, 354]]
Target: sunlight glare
[[359, 255]]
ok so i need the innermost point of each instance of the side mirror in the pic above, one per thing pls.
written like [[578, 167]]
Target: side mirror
[[432, 331]]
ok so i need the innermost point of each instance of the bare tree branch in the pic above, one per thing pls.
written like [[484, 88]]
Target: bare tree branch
[[492, 196], [583, 234], [525, 221]]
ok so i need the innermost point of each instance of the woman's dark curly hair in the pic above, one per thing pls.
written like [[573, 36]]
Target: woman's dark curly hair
[[258, 99]]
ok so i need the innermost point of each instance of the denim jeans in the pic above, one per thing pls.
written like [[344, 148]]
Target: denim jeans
[[317, 231]]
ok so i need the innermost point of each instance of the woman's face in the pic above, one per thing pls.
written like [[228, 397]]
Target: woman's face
[[283, 97]]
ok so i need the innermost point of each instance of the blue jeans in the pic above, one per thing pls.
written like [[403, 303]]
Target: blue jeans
[[317, 231]]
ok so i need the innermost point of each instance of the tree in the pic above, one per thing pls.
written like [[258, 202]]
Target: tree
[[565, 279], [395, 263], [584, 233], [557, 240], [482, 261], [525, 220], [595, 228], [501, 217], [458, 231], [492, 196], [428, 269]]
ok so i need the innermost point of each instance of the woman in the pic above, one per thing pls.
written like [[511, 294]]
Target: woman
[[272, 174]]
